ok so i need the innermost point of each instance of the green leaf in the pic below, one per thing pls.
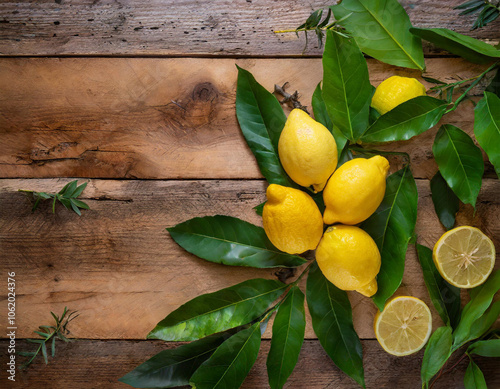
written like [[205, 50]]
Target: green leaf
[[75, 208], [460, 162], [231, 241], [471, 49], [331, 315], [494, 86], [26, 353], [53, 346], [42, 334], [392, 226], [261, 120], [231, 362], [485, 348], [474, 378], [65, 187], [446, 203], [215, 312], [485, 321], [444, 297], [288, 335], [259, 208], [407, 120], [44, 353], [487, 127], [437, 352], [80, 204], [321, 115], [346, 87], [78, 191], [381, 29]]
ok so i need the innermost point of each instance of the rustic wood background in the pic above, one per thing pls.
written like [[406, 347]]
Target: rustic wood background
[[137, 99]]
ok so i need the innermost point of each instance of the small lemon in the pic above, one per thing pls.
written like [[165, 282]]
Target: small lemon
[[292, 220], [349, 258], [307, 150], [355, 190], [394, 91]]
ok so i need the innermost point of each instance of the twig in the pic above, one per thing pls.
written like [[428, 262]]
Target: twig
[[290, 99]]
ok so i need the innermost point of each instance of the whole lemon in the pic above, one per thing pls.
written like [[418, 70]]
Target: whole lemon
[[394, 91], [307, 150], [355, 190], [349, 259], [292, 220]]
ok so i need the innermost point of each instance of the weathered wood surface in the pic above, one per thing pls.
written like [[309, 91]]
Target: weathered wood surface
[[161, 118], [119, 268], [100, 364], [187, 27]]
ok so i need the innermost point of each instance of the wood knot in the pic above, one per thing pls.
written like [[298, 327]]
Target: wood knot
[[205, 92]]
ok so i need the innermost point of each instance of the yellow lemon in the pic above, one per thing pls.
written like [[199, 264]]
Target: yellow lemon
[[307, 150], [349, 259], [292, 220], [404, 326], [394, 91], [464, 256], [355, 190]]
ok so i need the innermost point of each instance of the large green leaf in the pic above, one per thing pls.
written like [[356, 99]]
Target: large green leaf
[[460, 162], [288, 335], [346, 86], [446, 203], [487, 127], [471, 49], [261, 120], [474, 378], [381, 29], [485, 348], [485, 321], [437, 352], [231, 241], [444, 297], [331, 315], [406, 120], [231, 362], [392, 226], [215, 312]]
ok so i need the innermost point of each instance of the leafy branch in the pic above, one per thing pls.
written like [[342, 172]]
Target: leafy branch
[[49, 334], [488, 11]]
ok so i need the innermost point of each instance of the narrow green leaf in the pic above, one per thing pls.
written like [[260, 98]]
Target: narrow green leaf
[[446, 203], [485, 348], [485, 321], [346, 86], [65, 187], [381, 29], [72, 187], [231, 241], [288, 335], [437, 352], [259, 208], [65, 202], [331, 315], [487, 127], [75, 208], [26, 353], [215, 312], [42, 334], [80, 204], [231, 362], [38, 341], [44, 353], [460, 162], [474, 378], [392, 226], [78, 191], [53, 346]]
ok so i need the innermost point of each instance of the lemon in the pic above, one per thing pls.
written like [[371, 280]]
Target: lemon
[[355, 190], [394, 91], [464, 257], [292, 220], [404, 326], [349, 259], [307, 150]]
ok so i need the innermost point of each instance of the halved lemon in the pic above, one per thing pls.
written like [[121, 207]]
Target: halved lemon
[[464, 256], [404, 326]]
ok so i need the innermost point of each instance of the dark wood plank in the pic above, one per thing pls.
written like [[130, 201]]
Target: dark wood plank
[[187, 27]]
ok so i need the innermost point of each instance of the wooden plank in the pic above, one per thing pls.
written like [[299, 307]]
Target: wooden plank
[[172, 27], [160, 118], [99, 364], [119, 268]]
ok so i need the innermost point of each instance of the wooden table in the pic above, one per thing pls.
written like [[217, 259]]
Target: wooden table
[[137, 99]]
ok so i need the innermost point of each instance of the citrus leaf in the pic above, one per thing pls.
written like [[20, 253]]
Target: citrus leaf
[[446, 203], [392, 226], [346, 87], [474, 378], [407, 120], [444, 297], [331, 315], [230, 241], [485, 348], [381, 29], [231, 362], [487, 127], [288, 335], [485, 321], [261, 120], [471, 49], [460, 162], [259, 208], [437, 352], [215, 312]]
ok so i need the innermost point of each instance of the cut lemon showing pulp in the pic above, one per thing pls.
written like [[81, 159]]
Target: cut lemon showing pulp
[[404, 326], [464, 257]]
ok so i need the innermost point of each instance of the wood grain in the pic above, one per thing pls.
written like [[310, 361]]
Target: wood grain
[[118, 266], [186, 27], [160, 118]]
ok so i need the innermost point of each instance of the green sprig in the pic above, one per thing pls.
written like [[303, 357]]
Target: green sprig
[[488, 11]]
